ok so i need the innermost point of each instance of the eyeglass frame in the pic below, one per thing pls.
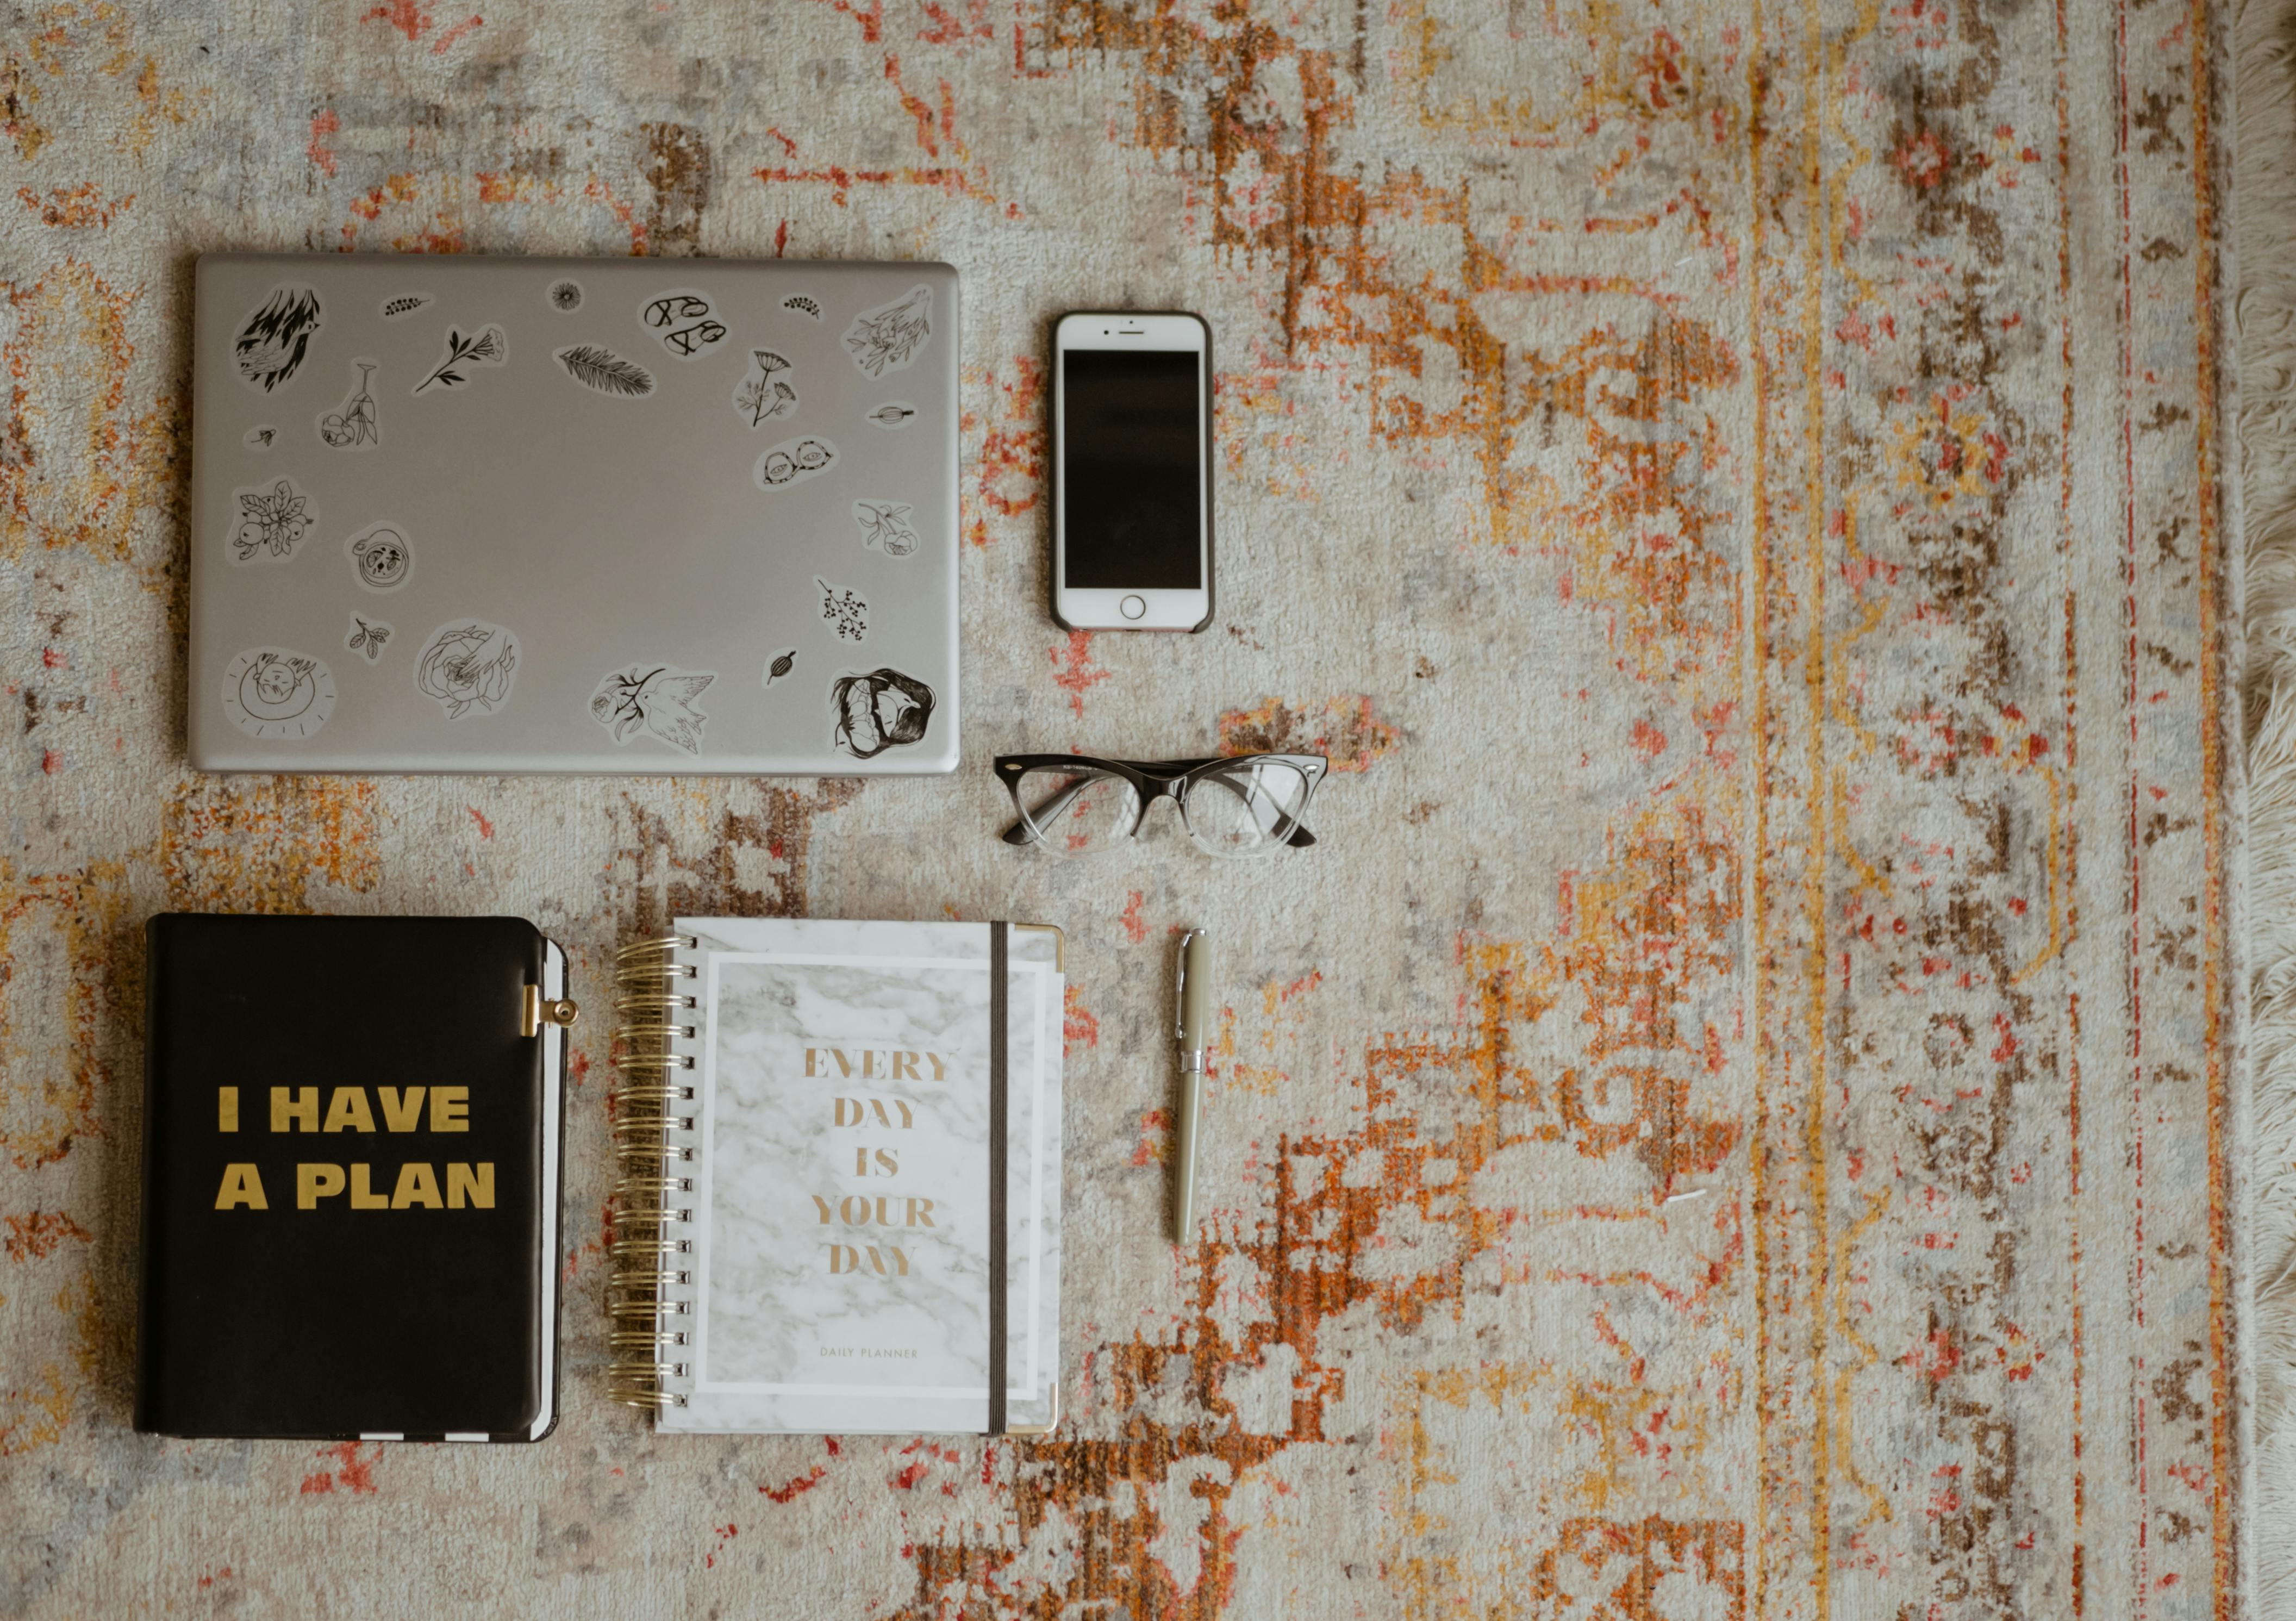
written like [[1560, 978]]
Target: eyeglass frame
[[1153, 780]]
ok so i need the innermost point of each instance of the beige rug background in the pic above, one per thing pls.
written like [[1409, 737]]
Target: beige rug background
[[1740, 1117]]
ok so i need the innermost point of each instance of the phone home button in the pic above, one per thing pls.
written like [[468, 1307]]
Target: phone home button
[[1132, 607]]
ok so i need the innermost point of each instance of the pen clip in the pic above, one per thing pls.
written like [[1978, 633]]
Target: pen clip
[[1180, 999]]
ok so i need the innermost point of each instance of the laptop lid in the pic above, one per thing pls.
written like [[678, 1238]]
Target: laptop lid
[[632, 516]]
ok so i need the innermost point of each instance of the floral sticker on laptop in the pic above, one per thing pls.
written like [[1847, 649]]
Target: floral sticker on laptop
[[468, 665]]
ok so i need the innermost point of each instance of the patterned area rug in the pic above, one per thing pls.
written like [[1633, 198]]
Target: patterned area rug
[[1739, 1114]]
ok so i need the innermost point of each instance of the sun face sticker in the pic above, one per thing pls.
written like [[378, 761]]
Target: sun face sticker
[[874, 710], [659, 700], [890, 337], [273, 692], [274, 339], [367, 638], [272, 520], [886, 524], [682, 320], [353, 425], [794, 461], [468, 667], [565, 296], [381, 556]]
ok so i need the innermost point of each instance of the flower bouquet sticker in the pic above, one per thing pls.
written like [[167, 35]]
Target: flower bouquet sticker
[[467, 666], [890, 337], [657, 699], [273, 692], [886, 524], [354, 426], [273, 520]]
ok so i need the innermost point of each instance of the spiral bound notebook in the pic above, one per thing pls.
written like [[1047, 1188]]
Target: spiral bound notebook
[[839, 1206]]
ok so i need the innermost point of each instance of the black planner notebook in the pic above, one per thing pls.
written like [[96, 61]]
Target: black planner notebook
[[350, 1178]]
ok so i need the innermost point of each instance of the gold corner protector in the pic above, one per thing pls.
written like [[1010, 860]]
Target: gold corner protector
[[1060, 951], [536, 1011], [1036, 1432]]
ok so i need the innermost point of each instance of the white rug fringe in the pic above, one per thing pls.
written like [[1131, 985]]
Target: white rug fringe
[[2265, 193]]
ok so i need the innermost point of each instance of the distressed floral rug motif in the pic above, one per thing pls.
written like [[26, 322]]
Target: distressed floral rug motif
[[1736, 1118]]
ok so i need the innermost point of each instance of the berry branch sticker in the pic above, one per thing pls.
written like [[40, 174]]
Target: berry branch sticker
[[657, 699], [848, 610], [271, 344], [468, 664], [484, 349], [271, 522], [888, 338]]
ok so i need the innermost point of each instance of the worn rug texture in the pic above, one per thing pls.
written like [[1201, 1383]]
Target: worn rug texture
[[1740, 1115]]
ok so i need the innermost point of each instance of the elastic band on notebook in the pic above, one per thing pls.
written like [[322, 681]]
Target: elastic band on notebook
[[996, 1063]]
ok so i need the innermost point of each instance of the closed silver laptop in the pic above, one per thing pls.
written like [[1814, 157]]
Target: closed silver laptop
[[472, 514]]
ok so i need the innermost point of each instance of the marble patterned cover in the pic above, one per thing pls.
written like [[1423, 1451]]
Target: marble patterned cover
[[891, 1335]]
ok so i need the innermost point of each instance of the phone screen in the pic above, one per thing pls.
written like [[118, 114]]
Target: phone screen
[[1132, 469]]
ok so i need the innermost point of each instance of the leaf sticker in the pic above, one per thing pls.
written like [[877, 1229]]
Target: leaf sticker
[[606, 372]]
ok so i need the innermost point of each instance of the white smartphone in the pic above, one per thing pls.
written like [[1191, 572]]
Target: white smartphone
[[1132, 472]]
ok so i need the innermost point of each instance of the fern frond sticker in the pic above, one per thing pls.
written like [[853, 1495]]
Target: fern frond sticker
[[601, 369]]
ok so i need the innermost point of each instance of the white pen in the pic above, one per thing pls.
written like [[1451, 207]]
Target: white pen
[[1193, 1033]]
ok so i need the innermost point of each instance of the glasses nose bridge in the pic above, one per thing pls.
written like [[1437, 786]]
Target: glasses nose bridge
[[1159, 788]]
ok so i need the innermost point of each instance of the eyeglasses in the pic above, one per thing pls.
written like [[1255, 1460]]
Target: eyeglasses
[[1244, 805]]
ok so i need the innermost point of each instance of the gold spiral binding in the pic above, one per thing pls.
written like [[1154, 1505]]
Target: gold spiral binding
[[652, 1199]]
